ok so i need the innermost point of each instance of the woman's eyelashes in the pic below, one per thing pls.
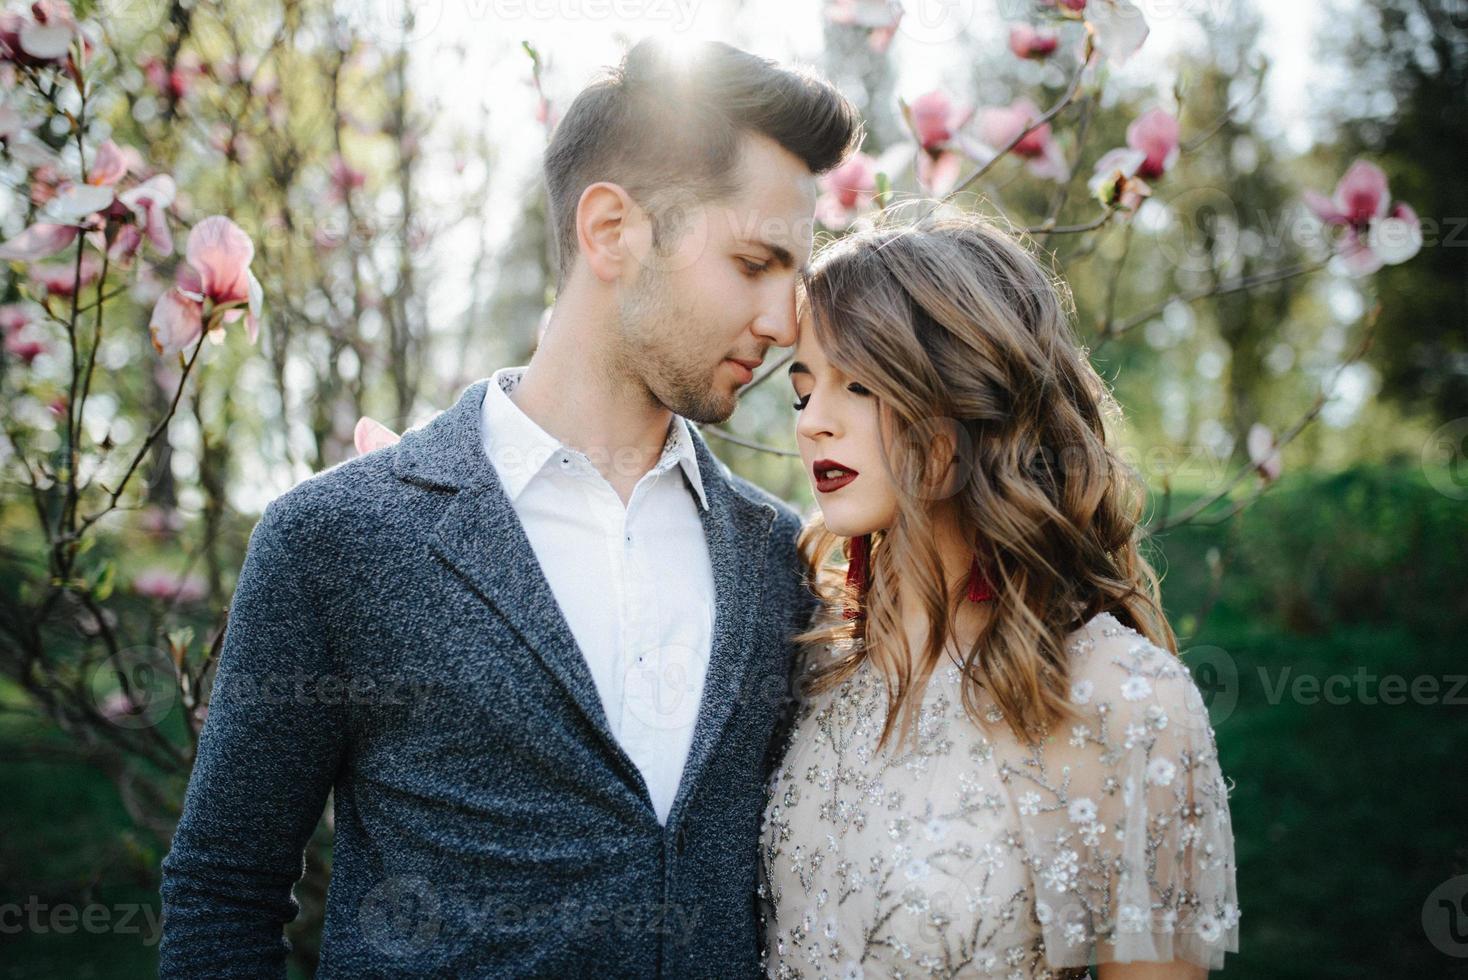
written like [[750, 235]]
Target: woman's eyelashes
[[752, 269], [854, 388]]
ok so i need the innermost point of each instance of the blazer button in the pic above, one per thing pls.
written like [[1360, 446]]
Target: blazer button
[[680, 841]]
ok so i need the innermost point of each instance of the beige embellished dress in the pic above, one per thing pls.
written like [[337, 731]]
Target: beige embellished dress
[[966, 855]]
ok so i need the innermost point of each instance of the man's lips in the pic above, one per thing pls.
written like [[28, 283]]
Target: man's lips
[[746, 368]]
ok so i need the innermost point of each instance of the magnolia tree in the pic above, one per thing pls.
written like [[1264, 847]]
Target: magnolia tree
[[173, 175], [960, 155], [1036, 147], [96, 216]]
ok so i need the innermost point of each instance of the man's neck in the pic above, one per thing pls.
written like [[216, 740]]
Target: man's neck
[[572, 391]]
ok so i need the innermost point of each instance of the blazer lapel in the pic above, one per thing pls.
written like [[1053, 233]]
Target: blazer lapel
[[737, 530], [480, 536]]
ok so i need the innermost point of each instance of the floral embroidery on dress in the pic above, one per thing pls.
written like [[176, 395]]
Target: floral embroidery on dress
[[966, 854]]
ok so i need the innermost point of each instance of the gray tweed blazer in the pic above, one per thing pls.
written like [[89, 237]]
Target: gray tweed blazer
[[392, 641]]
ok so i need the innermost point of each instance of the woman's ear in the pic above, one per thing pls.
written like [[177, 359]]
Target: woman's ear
[[948, 459], [606, 217]]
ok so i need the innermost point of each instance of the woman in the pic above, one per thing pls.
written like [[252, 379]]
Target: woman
[[998, 765]]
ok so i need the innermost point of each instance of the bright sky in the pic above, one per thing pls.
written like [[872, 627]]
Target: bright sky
[[578, 36]]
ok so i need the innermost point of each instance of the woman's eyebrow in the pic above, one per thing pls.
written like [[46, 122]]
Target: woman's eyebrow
[[798, 368]]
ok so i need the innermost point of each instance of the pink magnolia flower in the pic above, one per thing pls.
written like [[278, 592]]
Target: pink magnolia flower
[[44, 181], [160, 583], [1117, 28], [38, 241], [938, 172], [1115, 182], [109, 165], [23, 347], [879, 17], [175, 83], [160, 521], [118, 705], [216, 270], [1378, 231], [13, 316], [76, 204], [371, 434], [1032, 44], [43, 37], [219, 251], [129, 239], [1121, 175], [149, 202], [61, 278], [177, 321], [1157, 135], [344, 178], [845, 190], [1264, 452], [998, 127], [1075, 6], [935, 119]]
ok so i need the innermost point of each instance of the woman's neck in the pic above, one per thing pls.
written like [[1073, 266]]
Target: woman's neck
[[956, 554]]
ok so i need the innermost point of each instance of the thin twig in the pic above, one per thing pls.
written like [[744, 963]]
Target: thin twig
[[1055, 110], [1191, 513], [719, 433], [1116, 329]]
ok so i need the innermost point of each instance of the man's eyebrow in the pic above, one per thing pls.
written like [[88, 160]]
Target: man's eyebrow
[[781, 254]]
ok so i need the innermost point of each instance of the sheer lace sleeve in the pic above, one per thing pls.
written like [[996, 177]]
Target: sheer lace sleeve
[[1124, 816]]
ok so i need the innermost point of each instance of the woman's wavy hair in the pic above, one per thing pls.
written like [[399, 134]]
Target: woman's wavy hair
[[967, 342]]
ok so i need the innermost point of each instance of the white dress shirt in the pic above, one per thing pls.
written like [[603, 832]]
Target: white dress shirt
[[634, 583]]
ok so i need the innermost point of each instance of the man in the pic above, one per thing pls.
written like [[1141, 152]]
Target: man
[[538, 648]]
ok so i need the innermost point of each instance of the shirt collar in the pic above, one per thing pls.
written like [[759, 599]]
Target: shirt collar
[[519, 448]]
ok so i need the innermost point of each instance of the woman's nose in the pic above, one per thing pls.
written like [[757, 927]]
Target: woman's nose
[[813, 422]]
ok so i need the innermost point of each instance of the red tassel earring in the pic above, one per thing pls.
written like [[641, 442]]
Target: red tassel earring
[[979, 587], [858, 553]]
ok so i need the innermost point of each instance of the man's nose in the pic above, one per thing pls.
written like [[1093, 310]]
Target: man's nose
[[776, 322]]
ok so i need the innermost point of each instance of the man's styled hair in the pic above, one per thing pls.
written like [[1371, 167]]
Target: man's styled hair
[[666, 124]]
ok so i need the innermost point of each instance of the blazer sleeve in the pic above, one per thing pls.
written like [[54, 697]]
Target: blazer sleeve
[[268, 754]]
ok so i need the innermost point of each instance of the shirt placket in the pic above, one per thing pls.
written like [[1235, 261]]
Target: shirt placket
[[643, 635]]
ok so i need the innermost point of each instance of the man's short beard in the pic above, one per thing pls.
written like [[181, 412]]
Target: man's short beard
[[649, 324]]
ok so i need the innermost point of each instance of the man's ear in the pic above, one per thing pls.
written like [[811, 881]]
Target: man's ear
[[608, 222]]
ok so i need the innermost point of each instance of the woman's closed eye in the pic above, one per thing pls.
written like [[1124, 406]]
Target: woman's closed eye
[[854, 388]]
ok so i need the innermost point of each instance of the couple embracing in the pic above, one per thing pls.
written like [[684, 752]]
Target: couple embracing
[[589, 704]]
